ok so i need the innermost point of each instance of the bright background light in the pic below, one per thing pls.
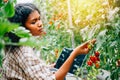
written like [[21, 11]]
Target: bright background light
[[24, 1]]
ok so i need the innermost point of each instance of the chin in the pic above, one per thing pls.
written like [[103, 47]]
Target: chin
[[36, 34]]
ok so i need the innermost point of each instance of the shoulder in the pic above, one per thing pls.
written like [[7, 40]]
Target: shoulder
[[19, 52], [24, 51]]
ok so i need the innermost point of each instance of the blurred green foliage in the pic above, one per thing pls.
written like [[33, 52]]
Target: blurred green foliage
[[7, 10]]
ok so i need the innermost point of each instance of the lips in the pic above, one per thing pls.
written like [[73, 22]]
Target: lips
[[40, 30]]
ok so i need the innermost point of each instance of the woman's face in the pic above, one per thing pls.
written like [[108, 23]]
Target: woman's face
[[34, 24]]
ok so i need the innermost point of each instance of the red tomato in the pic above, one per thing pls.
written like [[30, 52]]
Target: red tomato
[[93, 59], [89, 46], [98, 59], [89, 63], [96, 53], [97, 65]]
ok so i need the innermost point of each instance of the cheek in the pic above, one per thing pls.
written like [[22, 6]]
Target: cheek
[[33, 29], [30, 26]]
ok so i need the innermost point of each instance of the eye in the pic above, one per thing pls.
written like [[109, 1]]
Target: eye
[[33, 22]]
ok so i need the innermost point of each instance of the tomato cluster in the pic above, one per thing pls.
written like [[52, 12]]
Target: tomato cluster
[[94, 60]]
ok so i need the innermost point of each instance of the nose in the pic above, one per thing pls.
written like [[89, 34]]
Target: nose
[[39, 23]]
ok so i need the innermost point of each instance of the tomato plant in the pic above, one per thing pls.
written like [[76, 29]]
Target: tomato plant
[[90, 19], [105, 54]]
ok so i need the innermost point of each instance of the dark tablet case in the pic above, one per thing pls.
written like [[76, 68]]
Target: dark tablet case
[[64, 55]]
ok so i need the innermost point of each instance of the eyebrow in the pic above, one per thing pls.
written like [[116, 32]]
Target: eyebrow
[[35, 18]]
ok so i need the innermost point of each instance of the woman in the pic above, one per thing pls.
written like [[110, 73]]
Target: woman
[[20, 63]]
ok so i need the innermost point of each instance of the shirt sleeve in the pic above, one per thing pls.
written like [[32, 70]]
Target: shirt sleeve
[[32, 66]]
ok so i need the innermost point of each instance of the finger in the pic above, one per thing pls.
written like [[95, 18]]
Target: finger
[[93, 41], [90, 42], [85, 44]]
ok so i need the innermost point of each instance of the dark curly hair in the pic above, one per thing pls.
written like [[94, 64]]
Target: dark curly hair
[[22, 11]]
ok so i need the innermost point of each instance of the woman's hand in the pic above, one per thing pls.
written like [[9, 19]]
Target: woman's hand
[[84, 48]]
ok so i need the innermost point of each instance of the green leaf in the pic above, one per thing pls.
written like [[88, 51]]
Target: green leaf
[[1, 4], [28, 41], [101, 39], [9, 9], [13, 1], [1, 43], [1, 13], [0, 1], [22, 32], [6, 27]]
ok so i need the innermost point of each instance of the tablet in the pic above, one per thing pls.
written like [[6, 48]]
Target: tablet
[[64, 55]]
